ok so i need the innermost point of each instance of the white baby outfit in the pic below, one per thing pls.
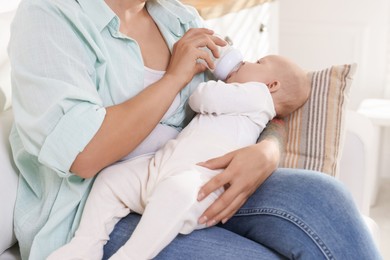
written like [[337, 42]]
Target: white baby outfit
[[164, 187]]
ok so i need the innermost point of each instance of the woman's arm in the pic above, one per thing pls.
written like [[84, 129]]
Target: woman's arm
[[275, 131], [59, 114], [244, 171], [125, 126], [122, 131]]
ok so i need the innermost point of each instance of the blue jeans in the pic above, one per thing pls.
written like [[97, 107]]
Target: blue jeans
[[294, 214]]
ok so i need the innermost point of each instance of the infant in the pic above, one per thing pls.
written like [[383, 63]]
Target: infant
[[164, 187]]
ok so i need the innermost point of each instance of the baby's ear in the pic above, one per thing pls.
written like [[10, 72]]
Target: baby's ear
[[274, 86]]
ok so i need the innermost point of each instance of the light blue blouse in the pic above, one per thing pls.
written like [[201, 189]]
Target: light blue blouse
[[69, 62]]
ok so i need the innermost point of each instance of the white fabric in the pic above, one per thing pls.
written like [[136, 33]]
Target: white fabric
[[163, 188], [154, 141], [151, 76], [161, 133], [218, 97]]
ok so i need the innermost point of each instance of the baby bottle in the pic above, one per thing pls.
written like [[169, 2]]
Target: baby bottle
[[229, 60]]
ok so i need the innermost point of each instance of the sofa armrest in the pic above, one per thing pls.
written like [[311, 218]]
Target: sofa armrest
[[357, 165]]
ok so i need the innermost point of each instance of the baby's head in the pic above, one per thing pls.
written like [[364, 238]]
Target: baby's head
[[286, 81]]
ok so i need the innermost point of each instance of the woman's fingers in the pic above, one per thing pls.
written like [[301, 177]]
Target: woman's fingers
[[217, 181], [209, 215], [208, 42], [229, 201], [227, 204], [217, 41], [218, 162], [231, 208], [191, 48], [244, 171], [205, 56], [205, 46]]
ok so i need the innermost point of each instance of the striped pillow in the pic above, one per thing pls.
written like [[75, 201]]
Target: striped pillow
[[316, 130]]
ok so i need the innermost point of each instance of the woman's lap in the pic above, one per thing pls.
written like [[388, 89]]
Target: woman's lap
[[210, 243], [310, 216], [299, 214]]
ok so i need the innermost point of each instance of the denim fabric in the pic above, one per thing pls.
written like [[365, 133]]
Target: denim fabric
[[295, 214]]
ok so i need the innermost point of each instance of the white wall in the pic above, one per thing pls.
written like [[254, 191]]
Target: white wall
[[321, 33]]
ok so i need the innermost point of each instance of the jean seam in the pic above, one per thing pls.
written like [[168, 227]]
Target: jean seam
[[294, 219]]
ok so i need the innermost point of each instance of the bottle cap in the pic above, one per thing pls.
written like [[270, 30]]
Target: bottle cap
[[227, 62]]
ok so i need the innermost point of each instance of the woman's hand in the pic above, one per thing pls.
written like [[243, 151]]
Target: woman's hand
[[184, 65], [244, 171]]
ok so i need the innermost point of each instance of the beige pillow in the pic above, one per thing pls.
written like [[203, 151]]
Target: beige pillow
[[316, 130]]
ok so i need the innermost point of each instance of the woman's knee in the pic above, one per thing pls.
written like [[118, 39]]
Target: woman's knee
[[305, 204], [317, 184], [299, 191]]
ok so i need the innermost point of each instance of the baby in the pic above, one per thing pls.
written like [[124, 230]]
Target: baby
[[164, 187]]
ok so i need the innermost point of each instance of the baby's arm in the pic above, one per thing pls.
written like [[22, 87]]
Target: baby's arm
[[218, 97]]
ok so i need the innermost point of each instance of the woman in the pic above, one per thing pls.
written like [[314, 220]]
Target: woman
[[92, 81]]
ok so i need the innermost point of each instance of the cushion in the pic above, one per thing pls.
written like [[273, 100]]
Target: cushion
[[316, 130], [8, 184]]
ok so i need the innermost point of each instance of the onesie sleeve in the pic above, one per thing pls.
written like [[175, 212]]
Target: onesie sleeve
[[218, 97]]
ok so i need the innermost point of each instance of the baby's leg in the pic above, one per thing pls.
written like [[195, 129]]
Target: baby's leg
[[117, 190], [172, 208]]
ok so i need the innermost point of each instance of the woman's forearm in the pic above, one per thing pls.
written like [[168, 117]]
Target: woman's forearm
[[124, 127], [276, 133]]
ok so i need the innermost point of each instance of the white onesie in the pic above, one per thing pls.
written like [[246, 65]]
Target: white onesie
[[164, 187]]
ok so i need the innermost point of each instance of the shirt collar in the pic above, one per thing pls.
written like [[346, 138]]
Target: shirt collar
[[172, 14], [98, 11]]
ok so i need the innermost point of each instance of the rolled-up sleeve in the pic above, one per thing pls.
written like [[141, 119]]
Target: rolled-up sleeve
[[56, 102], [70, 136]]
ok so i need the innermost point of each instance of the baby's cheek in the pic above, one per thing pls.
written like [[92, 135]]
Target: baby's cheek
[[234, 78], [230, 80]]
